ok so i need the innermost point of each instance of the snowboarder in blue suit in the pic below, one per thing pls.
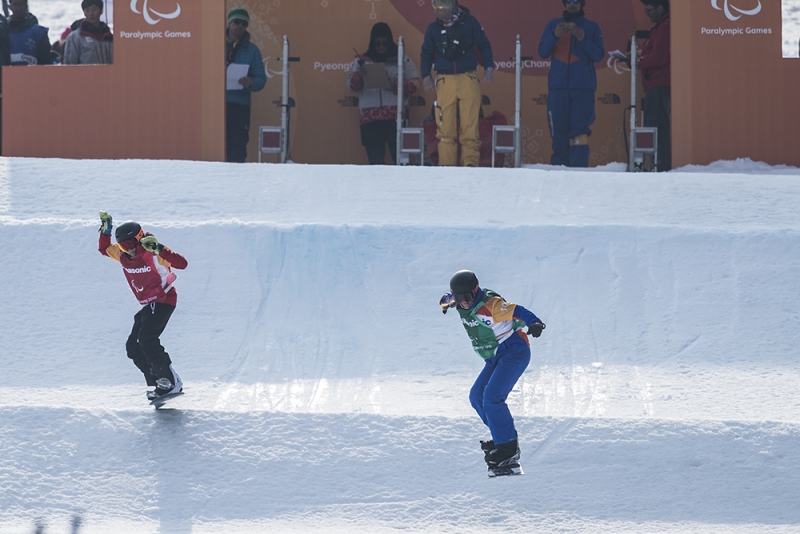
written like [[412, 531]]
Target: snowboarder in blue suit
[[495, 328]]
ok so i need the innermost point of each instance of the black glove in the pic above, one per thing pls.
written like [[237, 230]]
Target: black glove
[[535, 329]]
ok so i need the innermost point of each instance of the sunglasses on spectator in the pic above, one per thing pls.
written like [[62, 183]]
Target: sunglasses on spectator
[[572, 1], [381, 42], [241, 22], [439, 8]]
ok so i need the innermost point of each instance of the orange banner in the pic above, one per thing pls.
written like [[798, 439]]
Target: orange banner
[[733, 94]]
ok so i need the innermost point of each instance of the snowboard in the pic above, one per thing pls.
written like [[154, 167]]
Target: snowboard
[[498, 472], [159, 402]]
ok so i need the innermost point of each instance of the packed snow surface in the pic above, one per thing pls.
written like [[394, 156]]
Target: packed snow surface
[[325, 390]]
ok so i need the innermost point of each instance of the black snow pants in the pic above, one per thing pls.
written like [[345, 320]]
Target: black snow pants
[[237, 131], [144, 346]]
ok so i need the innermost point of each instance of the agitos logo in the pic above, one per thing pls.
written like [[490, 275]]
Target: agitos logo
[[150, 14], [728, 8]]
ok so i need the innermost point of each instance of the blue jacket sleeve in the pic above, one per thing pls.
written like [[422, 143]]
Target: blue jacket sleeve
[[428, 53], [256, 71], [592, 45], [526, 316], [547, 44], [483, 45]]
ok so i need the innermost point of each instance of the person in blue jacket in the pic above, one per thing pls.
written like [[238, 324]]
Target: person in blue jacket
[[451, 47], [241, 51], [495, 328], [29, 42], [574, 44]]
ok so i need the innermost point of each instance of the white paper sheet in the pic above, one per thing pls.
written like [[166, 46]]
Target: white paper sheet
[[236, 72]]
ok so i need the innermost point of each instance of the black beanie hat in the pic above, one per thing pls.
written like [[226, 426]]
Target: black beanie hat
[[87, 3]]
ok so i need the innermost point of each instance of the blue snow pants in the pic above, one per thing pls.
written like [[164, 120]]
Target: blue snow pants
[[490, 391], [570, 112]]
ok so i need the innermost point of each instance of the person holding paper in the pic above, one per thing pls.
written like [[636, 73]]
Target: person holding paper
[[245, 75], [374, 76], [573, 44]]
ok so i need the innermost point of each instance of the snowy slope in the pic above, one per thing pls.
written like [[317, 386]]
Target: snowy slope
[[325, 390]]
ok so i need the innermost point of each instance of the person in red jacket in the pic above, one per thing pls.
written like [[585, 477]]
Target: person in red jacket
[[655, 66], [147, 266]]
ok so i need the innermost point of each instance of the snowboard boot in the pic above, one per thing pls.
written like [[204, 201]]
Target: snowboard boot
[[486, 447], [165, 386], [503, 460]]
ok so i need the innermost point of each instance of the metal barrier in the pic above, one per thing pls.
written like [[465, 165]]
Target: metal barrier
[[508, 139], [644, 141], [412, 141], [275, 139], [270, 140], [504, 140]]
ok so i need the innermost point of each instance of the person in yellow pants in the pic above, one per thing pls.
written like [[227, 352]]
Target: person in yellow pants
[[459, 102], [450, 49]]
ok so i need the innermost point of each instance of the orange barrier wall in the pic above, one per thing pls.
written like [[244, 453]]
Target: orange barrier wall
[[163, 98], [323, 33], [733, 94]]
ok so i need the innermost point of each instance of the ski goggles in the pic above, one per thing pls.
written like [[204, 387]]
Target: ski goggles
[[464, 297], [572, 1], [130, 243]]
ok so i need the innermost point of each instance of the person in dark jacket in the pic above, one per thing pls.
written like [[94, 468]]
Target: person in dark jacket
[[5, 43], [655, 66], [30, 44], [449, 48], [240, 51], [5, 59], [574, 44]]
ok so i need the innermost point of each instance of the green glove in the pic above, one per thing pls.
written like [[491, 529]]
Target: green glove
[[105, 223], [150, 244]]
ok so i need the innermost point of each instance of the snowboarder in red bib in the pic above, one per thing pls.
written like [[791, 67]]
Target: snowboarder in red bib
[[495, 328], [147, 266]]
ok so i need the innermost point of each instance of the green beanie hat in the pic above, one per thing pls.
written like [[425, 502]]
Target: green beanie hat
[[238, 13]]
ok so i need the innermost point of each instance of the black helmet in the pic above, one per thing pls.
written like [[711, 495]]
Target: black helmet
[[128, 230], [464, 286]]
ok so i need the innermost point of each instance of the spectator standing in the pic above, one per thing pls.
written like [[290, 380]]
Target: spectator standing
[[574, 44], [58, 46], [655, 66], [240, 51], [92, 43], [378, 107], [29, 42], [5, 59], [450, 49], [147, 266], [494, 327], [5, 43]]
